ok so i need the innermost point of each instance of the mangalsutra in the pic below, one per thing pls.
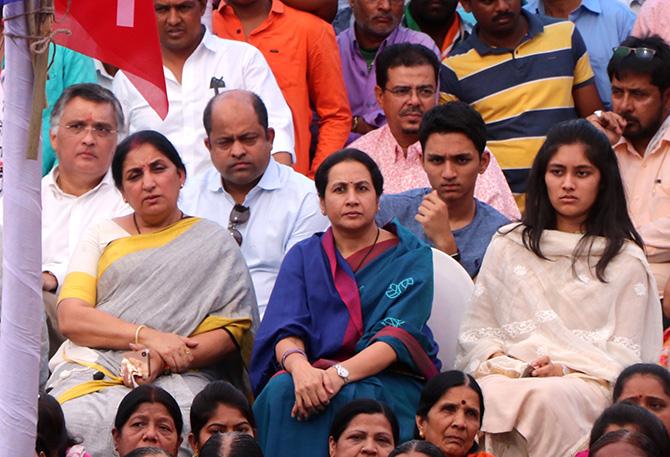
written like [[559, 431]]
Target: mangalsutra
[[367, 253], [137, 226]]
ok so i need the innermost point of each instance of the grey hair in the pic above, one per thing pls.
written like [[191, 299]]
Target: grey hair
[[91, 92]]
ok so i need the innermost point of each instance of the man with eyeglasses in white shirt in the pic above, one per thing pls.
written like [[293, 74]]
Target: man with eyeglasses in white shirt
[[79, 191], [267, 207]]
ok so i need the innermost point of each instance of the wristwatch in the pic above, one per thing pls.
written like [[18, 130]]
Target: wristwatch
[[342, 372]]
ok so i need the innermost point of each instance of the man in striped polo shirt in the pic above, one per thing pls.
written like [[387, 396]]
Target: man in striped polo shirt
[[523, 73]]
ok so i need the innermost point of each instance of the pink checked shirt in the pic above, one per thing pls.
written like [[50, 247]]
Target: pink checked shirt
[[653, 18], [404, 173]]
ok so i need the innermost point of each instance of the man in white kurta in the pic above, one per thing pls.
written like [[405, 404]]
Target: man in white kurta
[[197, 65]]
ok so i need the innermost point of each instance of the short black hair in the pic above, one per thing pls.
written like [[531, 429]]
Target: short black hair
[[643, 369], [454, 117], [658, 67], [137, 139], [627, 413], [256, 102], [348, 155], [214, 394], [348, 412], [232, 444], [404, 55], [147, 393]]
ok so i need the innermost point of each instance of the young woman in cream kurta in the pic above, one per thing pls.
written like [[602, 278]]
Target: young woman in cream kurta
[[567, 293]]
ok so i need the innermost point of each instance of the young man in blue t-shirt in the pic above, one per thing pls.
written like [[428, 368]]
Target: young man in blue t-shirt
[[447, 215]]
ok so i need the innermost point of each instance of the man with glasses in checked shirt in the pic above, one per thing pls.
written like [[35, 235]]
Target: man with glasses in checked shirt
[[79, 191], [267, 207], [639, 130]]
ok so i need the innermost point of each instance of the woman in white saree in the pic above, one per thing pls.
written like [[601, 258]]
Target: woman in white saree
[[564, 301]]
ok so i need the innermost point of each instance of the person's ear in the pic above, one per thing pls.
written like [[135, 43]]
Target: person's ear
[[378, 95], [208, 144], [484, 161], [332, 446], [116, 436], [466, 6], [420, 424], [192, 442], [665, 102], [182, 177], [270, 135], [322, 205]]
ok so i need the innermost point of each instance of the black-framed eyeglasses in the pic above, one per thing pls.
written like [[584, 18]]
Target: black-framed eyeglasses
[[404, 92], [238, 216], [644, 54]]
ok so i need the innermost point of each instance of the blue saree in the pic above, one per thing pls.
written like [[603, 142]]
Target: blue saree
[[337, 314]]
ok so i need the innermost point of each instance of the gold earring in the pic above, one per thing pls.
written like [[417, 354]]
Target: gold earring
[[421, 434]]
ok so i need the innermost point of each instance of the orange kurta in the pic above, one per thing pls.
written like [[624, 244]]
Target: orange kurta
[[303, 55]]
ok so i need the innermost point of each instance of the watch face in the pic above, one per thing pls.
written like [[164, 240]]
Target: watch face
[[341, 371]]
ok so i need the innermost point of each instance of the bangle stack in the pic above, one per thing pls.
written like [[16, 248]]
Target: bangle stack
[[289, 352]]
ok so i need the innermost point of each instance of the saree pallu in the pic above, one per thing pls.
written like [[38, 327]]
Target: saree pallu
[[527, 307], [187, 279], [337, 314]]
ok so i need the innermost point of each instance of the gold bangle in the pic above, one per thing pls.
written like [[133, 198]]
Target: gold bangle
[[354, 123], [137, 332]]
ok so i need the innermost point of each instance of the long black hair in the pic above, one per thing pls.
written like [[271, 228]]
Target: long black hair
[[608, 217]]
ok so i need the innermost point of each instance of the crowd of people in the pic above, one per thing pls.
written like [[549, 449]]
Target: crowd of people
[[256, 274]]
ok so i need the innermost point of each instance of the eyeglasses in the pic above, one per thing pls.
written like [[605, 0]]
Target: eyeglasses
[[644, 54], [97, 130], [403, 92], [238, 215]]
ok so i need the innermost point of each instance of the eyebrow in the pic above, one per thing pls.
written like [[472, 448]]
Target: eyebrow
[[156, 160], [364, 181]]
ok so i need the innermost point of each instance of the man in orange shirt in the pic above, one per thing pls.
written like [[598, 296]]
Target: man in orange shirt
[[303, 54], [639, 130]]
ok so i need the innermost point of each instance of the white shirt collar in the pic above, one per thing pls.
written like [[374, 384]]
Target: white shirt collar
[[270, 180], [51, 180]]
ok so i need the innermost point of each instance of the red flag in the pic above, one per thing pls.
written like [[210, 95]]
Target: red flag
[[122, 33]]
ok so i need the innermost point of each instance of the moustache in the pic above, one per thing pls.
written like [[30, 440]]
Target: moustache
[[411, 110], [386, 17], [500, 16], [630, 118]]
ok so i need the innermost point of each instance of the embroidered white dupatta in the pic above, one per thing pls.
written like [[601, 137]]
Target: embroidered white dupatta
[[527, 307]]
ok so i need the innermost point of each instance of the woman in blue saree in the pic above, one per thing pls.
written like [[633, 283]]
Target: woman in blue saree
[[346, 319]]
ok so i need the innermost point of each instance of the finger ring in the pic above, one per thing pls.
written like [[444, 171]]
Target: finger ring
[[598, 113]]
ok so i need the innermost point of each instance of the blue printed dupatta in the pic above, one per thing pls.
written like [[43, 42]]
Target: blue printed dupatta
[[337, 313]]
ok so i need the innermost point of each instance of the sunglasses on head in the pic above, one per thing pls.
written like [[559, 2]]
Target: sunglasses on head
[[645, 54], [238, 216]]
